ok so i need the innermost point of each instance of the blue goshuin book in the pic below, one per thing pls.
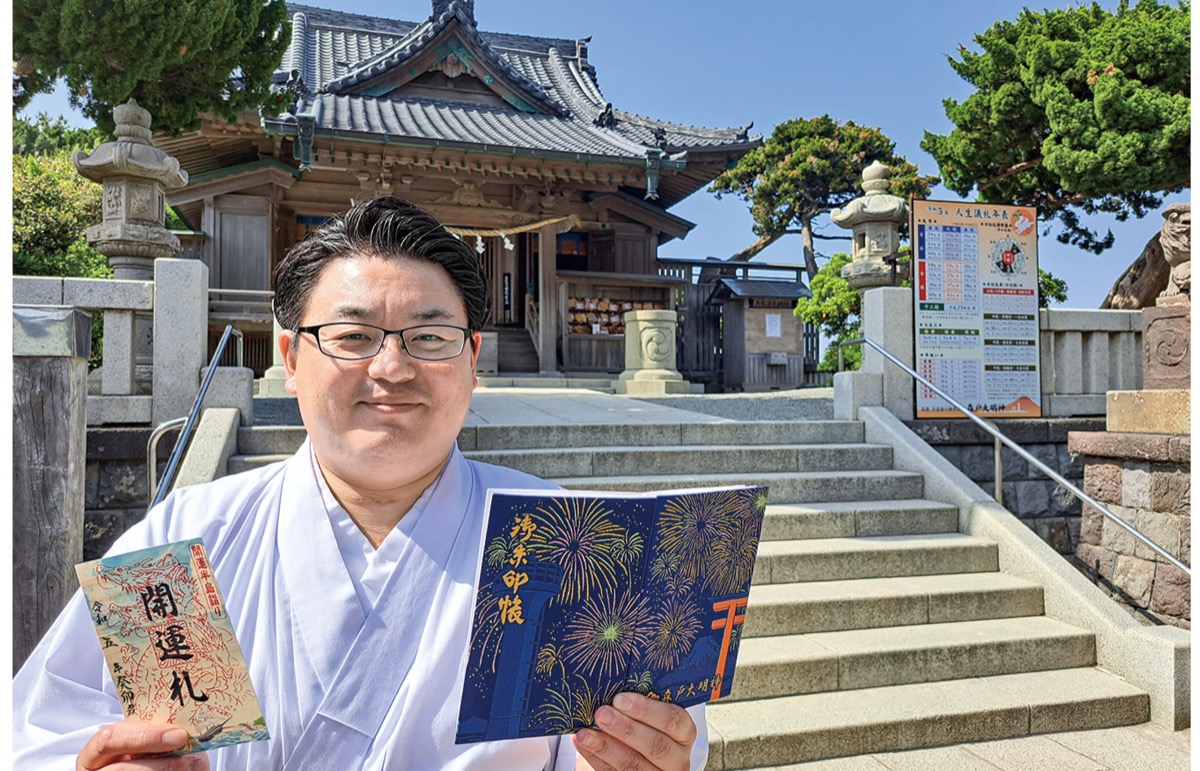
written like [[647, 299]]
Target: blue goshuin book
[[582, 595]]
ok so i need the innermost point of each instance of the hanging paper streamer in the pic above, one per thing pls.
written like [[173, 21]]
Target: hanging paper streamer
[[508, 244], [479, 247]]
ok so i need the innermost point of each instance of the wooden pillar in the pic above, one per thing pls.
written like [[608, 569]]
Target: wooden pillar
[[547, 300], [50, 349]]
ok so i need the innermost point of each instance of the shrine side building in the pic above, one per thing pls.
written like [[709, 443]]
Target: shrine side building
[[505, 138]]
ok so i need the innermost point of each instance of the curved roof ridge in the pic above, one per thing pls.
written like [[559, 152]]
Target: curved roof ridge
[[299, 45], [579, 102], [741, 133], [587, 82], [387, 58]]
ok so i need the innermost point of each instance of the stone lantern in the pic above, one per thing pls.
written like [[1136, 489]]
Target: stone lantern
[[875, 220], [135, 176]]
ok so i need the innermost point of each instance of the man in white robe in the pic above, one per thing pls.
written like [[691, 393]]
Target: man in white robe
[[348, 570]]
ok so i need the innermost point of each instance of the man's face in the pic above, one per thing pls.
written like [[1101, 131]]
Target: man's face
[[383, 423]]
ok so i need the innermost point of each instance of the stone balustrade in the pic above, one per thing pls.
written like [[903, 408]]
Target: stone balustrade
[[1084, 355], [178, 299]]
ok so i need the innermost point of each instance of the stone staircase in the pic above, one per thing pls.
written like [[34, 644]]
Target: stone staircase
[[514, 351], [873, 624]]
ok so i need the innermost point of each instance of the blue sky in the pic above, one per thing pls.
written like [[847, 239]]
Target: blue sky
[[876, 62]]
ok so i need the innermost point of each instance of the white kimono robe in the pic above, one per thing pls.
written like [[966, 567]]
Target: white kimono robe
[[340, 688]]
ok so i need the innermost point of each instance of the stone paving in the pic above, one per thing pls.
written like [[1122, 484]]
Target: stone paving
[[1145, 747]]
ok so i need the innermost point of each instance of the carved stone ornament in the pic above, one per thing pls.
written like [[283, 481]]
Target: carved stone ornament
[[1176, 243], [1166, 346], [658, 347]]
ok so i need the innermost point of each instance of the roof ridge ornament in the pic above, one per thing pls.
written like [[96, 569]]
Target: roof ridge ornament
[[464, 8]]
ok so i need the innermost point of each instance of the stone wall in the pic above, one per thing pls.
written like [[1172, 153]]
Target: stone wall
[[1146, 480], [1048, 509], [117, 489]]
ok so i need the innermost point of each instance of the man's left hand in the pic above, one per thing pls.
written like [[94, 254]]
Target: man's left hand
[[637, 732]]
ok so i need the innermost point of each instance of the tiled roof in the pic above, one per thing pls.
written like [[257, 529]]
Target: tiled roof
[[501, 129], [788, 290], [333, 51]]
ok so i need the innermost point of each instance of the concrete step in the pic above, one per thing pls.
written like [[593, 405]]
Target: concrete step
[[841, 559], [845, 519], [791, 729], [515, 379], [655, 435], [786, 487], [829, 606], [256, 440], [692, 459], [768, 667]]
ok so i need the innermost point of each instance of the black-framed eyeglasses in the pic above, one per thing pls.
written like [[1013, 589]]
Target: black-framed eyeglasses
[[352, 341]]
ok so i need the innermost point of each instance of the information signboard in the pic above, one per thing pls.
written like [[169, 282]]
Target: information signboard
[[976, 308]]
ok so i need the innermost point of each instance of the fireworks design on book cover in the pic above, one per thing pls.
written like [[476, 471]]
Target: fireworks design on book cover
[[169, 645], [583, 595]]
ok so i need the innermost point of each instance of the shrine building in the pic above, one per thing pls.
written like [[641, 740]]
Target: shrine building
[[505, 138]]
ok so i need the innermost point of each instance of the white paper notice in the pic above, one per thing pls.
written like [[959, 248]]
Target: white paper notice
[[774, 325]]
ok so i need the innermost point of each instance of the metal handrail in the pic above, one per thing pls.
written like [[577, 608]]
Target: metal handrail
[[152, 450], [1020, 451], [164, 485]]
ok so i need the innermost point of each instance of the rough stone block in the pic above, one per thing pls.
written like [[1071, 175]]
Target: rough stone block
[[1162, 529], [122, 484], [1116, 538], [1091, 526], [1149, 412], [1063, 502], [1046, 453], [230, 387], [100, 529], [1033, 498], [1070, 464], [952, 454], [979, 462], [1073, 531], [1066, 319], [30, 290], [114, 410], [1185, 540], [1135, 579], [1171, 491], [1054, 532], [1135, 486], [108, 293], [1099, 561], [1102, 481], [91, 485], [1180, 450], [1172, 593], [1014, 466]]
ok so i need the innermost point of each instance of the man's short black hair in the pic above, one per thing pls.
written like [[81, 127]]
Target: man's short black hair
[[385, 227]]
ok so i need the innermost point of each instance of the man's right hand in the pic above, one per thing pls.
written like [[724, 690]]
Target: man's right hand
[[124, 746]]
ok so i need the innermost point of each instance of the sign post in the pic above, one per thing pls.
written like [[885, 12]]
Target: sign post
[[976, 308]]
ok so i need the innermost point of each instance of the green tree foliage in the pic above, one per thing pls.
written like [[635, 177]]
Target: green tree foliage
[[834, 310], [177, 61], [42, 136], [52, 207], [1076, 110], [807, 168]]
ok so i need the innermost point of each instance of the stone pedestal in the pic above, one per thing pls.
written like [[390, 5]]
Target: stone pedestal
[[1166, 344], [650, 356]]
